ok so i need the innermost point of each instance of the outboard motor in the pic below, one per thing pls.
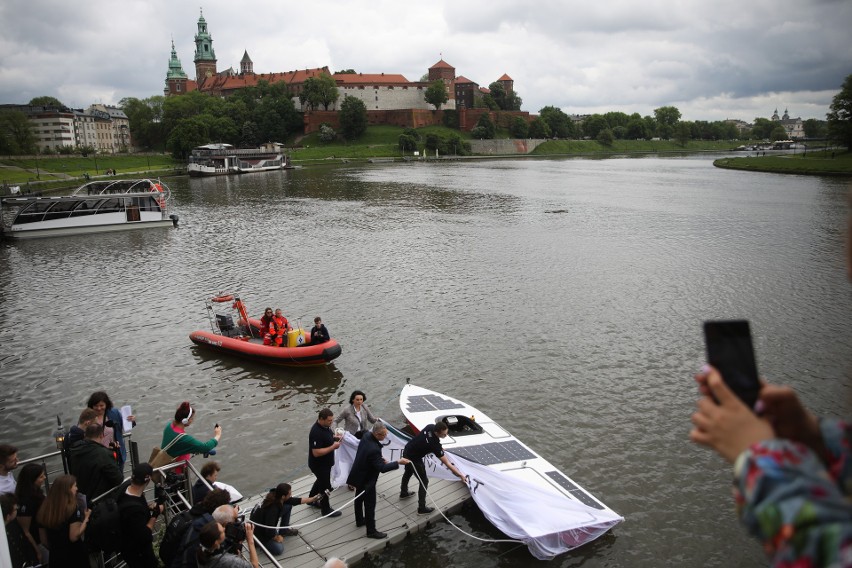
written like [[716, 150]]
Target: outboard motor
[[174, 219], [225, 324]]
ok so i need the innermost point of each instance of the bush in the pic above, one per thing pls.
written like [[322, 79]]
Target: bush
[[326, 133], [451, 118]]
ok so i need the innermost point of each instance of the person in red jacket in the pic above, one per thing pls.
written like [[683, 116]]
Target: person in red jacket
[[278, 327]]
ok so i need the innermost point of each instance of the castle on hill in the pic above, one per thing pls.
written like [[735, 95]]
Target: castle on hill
[[378, 91]]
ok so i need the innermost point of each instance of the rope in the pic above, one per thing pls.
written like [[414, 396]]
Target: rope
[[458, 528], [277, 527]]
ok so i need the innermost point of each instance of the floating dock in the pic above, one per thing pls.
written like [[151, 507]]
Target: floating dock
[[339, 537]]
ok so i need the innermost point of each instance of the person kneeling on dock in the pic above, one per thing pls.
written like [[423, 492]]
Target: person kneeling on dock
[[366, 467], [275, 512]]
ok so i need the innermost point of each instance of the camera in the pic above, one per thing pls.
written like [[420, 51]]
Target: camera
[[236, 531], [160, 495]]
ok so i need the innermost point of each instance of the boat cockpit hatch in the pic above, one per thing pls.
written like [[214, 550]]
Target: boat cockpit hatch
[[460, 425]]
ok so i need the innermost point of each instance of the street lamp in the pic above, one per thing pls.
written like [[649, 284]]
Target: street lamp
[[59, 438]]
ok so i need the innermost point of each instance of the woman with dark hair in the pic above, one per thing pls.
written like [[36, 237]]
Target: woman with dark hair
[[113, 424], [264, 326], [184, 447], [64, 523], [30, 496], [275, 512], [356, 415]]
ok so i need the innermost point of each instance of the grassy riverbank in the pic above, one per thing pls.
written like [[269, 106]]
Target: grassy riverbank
[[67, 171], [823, 163]]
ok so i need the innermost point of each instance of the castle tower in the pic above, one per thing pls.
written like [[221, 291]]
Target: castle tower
[[786, 115], [443, 71], [508, 83], [175, 76], [205, 57], [246, 65], [775, 115]]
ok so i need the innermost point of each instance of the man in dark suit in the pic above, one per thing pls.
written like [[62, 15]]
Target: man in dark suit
[[366, 467]]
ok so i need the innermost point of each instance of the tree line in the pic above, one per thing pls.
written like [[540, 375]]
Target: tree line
[[266, 112]]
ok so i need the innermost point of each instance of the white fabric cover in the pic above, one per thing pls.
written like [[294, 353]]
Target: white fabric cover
[[547, 522]]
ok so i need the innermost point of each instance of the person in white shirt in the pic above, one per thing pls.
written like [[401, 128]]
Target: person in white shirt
[[8, 462]]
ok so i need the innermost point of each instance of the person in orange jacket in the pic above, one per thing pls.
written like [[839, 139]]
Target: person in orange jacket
[[278, 327]]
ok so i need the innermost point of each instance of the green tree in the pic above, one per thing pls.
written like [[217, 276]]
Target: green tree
[[682, 132], [606, 137], [840, 115], [519, 127], [186, 135], [560, 123], [637, 130], [616, 119], [593, 125], [345, 72], [436, 94], [667, 116], [249, 135], [407, 143], [539, 128], [46, 101], [145, 116], [353, 118], [320, 90], [814, 128], [778, 133], [450, 118], [762, 128], [489, 129], [326, 133], [16, 133]]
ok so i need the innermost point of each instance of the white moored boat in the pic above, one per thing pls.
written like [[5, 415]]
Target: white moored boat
[[520, 492], [98, 206], [223, 159]]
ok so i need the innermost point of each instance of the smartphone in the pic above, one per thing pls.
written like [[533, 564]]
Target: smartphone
[[730, 351]]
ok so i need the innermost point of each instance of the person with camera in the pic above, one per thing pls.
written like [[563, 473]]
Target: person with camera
[[137, 519], [211, 551], [275, 511]]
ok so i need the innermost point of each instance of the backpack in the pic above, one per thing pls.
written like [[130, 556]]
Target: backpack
[[104, 529], [172, 538]]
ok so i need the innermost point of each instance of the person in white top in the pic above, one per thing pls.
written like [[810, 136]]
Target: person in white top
[[8, 462]]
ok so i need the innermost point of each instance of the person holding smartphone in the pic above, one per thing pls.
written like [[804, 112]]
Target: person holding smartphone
[[792, 471]]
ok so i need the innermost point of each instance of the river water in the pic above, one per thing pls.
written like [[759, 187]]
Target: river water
[[564, 298]]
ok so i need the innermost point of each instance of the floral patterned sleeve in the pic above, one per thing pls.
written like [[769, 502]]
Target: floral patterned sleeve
[[796, 507]]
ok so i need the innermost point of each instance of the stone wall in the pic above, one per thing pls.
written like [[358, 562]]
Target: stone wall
[[406, 118], [504, 146]]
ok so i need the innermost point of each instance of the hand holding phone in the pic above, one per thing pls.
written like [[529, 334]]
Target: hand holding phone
[[730, 351]]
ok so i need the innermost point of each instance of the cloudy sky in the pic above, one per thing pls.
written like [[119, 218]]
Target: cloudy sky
[[712, 59]]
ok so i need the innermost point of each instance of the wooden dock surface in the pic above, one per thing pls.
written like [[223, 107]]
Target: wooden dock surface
[[339, 536]]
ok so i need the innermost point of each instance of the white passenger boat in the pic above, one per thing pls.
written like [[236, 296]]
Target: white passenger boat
[[223, 159], [96, 207], [520, 492]]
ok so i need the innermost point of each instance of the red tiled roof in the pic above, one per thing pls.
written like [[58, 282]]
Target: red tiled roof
[[442, 65], [349, 79], [505, 78], [228, 82], [461, 79]]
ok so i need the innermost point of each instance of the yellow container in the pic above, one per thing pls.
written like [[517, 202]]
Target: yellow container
[[296, 338]]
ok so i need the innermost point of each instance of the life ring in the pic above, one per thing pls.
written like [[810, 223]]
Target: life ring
[[161, 199], [222, 299]]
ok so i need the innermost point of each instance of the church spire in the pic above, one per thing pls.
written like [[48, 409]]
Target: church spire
[[246, 65], [175, 76], [205, 57]]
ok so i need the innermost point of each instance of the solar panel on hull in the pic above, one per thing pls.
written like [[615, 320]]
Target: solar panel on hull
[[494, 452], [575, 491], [430, 403]]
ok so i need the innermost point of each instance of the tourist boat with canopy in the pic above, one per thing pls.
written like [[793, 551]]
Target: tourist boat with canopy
[[223, 159], [95, 207], [233, 332]]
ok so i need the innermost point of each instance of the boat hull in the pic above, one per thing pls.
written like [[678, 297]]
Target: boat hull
[[83, 229], [308, 355]]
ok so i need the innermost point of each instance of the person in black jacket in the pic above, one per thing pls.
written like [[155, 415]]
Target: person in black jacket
[[366, 467], [275, 512], [78, 432], [93, 465], [428, 441], [321, 445], [137, 520]]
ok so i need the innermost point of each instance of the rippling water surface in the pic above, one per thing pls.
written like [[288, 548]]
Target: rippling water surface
[[562, 297]]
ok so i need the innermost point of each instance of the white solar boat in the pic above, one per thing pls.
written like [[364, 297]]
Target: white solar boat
[[529, 499]]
